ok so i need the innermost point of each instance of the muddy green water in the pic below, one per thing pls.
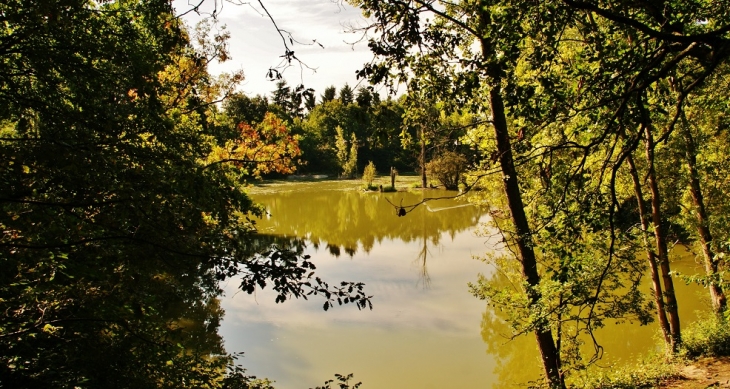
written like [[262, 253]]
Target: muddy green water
[[426, 330]]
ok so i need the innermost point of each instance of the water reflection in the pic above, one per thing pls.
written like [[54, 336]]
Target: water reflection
[[341, 218], [623, 342], [420, 262], [424, 329]]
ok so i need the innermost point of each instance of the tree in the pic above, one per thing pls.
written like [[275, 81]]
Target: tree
[[282, 95], [426, 120], [485, 27], [368, 175], [243, 109], [295, 101], [448, 169], [329, 94], [341, 145], [653, 88], [266, 148], [702, 132], [347, 156], [346, 95], [364, 97], [116, 225], [541, 72], [310, 102], [319, 132]]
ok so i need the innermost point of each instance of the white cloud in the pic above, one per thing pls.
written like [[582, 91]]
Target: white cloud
[[413, 337], [392, 275], [256, 46]]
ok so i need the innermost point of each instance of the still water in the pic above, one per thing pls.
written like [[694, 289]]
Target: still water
[[426, 330]]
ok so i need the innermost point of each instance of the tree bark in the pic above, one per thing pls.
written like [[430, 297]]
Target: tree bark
[[423, 157], [661, 243], [523, 237], [719, 301], [549, 353], [651, 256]]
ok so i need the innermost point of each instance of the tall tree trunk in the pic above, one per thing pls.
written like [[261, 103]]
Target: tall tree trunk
[[423, 157], [651, 256], [661, 242], [719, 302], [523, 237], [549, 353]]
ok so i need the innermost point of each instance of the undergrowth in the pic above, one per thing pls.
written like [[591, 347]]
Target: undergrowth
[[707, 337], [647, 373]]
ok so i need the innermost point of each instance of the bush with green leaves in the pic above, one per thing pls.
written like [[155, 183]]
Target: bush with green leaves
[[447, 168], [709, 336], [649, 373], [368, 175]]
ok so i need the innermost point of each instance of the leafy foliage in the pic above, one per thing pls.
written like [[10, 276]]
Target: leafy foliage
[[709, 336], [266, 148], [584, 99], [448, 168], [343, 382], [123, 203], [347, 156], [346, 95], [368, 174]]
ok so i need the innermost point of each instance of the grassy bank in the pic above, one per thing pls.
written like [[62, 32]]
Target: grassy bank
[[706, 338]]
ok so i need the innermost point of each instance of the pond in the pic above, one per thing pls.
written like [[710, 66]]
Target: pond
[[426, 330]]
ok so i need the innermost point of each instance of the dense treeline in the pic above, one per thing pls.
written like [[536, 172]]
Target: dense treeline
[[340, 131]]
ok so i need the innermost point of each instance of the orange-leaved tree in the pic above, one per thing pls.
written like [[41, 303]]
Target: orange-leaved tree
[[267, 147]]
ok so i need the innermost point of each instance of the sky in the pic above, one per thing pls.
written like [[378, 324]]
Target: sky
[[255, 45]]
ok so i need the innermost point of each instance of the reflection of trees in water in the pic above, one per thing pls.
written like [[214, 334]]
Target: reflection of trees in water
[[334, 250], [518, 362], [345, 221], [623, 340], [260, 242], [420, 261], [422, 257], [117, 323], [352, 220]]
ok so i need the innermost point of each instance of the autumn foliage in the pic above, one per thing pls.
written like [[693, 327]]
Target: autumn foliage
[[267, 147]]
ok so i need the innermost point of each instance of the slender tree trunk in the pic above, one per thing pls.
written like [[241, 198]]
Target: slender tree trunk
[[661, 243], [651, 256], [719, 302], [523, 237], [423, 157]]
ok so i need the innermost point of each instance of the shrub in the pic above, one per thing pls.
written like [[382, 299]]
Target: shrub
[[447, 168], [709, 336], [649, 373], [368, 175]]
